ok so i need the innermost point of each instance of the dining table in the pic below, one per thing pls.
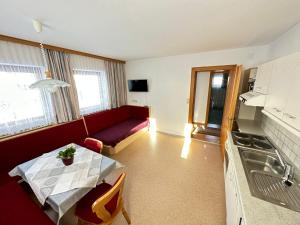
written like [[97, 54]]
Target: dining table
[[62, 202]]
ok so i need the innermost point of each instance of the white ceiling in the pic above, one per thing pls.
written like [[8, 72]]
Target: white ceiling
[[132, 29]]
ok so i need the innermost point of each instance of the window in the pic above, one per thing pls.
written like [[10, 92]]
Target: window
[[92, 90], [22, 108], [217, 81]]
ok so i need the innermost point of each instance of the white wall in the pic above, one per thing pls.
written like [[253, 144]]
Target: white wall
[[202, 85], [287, 43], [169, 81]]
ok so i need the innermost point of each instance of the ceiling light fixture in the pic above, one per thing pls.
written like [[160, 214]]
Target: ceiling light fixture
[[48, 84]]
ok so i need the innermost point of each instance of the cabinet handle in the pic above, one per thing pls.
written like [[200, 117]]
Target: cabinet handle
[[290, 116], [240, 223], [277, 110]]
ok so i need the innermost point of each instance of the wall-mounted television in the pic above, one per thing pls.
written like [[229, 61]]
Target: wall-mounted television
[[138, 85]]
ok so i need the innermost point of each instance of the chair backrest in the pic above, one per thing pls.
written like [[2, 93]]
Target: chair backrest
[[99, 206], [93, 144]]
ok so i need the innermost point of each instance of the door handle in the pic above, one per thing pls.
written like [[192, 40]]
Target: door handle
[[276, 109], [290, 116]]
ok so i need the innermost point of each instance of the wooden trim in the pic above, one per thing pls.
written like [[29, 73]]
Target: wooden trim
[[36, 129], [194, 83], [192, 96], [56, 48], [208, 97], [25, 132], [213, 68], [230, 105]]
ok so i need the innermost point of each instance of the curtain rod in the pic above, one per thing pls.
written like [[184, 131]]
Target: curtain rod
[[56, 48]]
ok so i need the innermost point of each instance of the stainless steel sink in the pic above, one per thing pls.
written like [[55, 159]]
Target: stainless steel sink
[[262, 162], [264, 174]]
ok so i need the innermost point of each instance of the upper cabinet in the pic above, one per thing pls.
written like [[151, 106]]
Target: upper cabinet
[[284, 90], [263, 78], [291, 110]]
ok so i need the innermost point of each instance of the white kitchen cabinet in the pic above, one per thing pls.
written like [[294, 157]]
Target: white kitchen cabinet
[[234, 212], [263, 77], [284, 92], [291, 110], [275, 99]]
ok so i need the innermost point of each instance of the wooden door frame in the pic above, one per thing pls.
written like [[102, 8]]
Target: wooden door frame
[[208, 97], [193, 85]]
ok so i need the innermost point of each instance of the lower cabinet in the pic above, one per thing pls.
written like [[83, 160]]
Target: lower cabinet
[[234, 212]]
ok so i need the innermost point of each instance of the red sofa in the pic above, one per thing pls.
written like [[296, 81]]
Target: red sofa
[[30, 145], [112, 126], [17, 208], [109, 126]]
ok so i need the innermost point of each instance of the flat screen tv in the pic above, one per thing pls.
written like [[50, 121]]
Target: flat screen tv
[[138, 85]]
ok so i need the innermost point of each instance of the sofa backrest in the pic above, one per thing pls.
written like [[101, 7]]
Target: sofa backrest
[[101, 120], [138, 112], [27, 146], [98, 121]]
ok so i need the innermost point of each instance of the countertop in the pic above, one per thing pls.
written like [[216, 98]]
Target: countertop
[[257, 211], [250, 126]]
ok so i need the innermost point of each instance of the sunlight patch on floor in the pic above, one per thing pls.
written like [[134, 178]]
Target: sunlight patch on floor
[[187, 141], [152, 129]]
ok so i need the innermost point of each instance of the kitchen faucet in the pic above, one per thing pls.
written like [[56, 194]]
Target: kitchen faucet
[[288, 170]]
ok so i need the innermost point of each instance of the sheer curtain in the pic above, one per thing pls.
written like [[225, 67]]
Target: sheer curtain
[[22, 108], [91, 84]]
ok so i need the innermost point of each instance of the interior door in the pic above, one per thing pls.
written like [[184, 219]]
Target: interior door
[[230, 104]]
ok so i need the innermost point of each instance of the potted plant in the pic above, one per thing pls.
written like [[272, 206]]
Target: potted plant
[[67, 155]]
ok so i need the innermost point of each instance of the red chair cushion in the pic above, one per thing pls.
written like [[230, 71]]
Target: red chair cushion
[[84, 206], [93, 144], [17, 208]]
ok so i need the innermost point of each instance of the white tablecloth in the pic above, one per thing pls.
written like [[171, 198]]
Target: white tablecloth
[[62, 202], [49, 176]]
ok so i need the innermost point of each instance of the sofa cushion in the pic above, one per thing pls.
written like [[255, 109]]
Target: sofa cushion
[[114, 134], [17, 208], [27, 146]]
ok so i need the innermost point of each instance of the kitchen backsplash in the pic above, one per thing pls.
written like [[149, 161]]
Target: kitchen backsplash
[[285, 140]]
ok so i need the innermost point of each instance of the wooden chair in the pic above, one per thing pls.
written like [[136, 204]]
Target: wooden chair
[[93, 144], [101, 205]]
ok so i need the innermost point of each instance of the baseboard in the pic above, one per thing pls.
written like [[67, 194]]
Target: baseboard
[[178, 134]]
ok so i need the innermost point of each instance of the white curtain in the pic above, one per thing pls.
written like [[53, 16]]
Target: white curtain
[[12, 53], [91, 84], [22, 108]]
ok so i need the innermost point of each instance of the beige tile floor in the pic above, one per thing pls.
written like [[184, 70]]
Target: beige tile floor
[[171, 182]]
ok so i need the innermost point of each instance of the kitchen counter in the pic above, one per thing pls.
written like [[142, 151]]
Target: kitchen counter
[[255, 210], [250, 126]]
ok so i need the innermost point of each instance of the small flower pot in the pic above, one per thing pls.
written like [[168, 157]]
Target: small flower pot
[[68, 161]]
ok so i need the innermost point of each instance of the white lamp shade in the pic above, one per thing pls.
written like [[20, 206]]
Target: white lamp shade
[[49, 84]]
